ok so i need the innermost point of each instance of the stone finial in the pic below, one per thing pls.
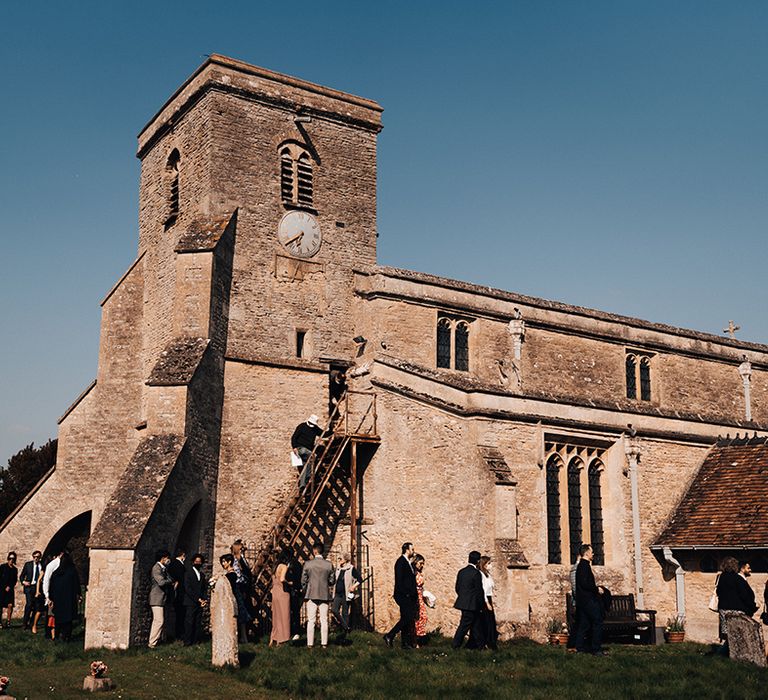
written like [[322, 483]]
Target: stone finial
[[516, 329], [633, 451], [745, 368]]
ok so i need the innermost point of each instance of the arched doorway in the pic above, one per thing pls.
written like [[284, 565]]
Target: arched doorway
[[73, 537], [189, 534]]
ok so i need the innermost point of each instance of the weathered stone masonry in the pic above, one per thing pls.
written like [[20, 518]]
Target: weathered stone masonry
[[184, 436]]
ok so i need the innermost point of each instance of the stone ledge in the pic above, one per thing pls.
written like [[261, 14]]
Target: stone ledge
[[133, 500], [178, 362]]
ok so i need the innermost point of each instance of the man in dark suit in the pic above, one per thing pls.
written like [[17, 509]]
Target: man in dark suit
[[195, 599], [31, 573], [176, 571], [470, 599], [406, 597], [293, 576], [589, 604]]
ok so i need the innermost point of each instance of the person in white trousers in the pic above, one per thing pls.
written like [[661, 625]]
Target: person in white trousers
[[161, 584], [317, 579]]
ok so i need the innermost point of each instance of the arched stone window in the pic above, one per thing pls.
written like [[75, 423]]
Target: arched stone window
[[631, 367], [596, 536], [554, 553], [296, 187], [452, 343], [172, 180], [645, 379], [461, 344], [574, 507], [444, 343]]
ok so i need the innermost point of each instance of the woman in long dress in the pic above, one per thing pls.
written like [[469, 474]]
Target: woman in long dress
[[65, 596], [421, 618], [224, 618], [488, 617], [9, 574], [281, 603]]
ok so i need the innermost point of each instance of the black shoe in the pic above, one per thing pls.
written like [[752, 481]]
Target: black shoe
[[388, 640]]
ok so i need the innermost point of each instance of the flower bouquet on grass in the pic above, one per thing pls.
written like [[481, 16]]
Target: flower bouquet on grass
[[99, 669], [4, 683]]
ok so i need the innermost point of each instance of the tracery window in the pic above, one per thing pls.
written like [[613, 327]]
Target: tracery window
[[443, 342], [452, 343], [574, 507], [295, 175], [461, 344], [567, 458], [596, 535], [172, 179], [554, 555], [638, 373]]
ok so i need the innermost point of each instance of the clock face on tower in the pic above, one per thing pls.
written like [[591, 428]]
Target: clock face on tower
[[299, 233]]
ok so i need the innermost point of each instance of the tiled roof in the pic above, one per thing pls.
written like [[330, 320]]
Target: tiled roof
[[727, 503]]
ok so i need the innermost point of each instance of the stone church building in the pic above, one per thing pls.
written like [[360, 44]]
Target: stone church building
[[473, 417]]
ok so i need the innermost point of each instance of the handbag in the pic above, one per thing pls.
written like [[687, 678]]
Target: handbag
[[714, 602]]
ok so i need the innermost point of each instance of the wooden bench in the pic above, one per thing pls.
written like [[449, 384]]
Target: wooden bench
[[623, 622]]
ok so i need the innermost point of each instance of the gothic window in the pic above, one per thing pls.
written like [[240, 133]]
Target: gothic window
[[553, 510], [461, 343], [574, 508], [631, 364], [645, 379], [574, 496], [444, 343], [295, 175], [596, 537], [638, 374], [452, 343], [172, 179]]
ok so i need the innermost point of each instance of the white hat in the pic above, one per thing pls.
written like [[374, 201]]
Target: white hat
[[312, 420]]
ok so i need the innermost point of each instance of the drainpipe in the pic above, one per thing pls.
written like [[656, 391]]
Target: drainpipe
[[679, 581], [745, 371], [632, 450]]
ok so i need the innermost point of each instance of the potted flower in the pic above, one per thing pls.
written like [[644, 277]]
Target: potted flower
[[558, 632], [675, 630]]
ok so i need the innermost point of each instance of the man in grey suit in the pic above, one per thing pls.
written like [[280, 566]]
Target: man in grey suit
[[317, 579], [160, 586]]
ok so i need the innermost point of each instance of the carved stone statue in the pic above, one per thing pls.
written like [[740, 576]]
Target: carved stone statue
[[223, 624]]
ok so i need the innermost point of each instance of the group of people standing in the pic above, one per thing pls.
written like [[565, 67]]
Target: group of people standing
[[322, 587], [474, 599], [51, 591], [186, 588], [735, 594]]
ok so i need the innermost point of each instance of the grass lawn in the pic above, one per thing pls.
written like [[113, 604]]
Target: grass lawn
[[367, 669]]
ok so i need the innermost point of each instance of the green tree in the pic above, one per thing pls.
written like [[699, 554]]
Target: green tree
[[22, 472]]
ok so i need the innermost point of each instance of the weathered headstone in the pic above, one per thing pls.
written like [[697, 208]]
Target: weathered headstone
[[223, 624], [745, 638], [94, 685]]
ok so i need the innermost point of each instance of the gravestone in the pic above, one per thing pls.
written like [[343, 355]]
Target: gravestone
[[223, 624], [745, 638], [94, 685]]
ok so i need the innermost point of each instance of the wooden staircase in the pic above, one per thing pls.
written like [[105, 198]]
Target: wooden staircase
[[313, 515]]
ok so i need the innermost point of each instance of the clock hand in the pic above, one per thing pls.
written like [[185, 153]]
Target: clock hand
[[291, 240]]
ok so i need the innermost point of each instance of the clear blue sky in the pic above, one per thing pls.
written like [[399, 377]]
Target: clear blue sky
[[608, 154]]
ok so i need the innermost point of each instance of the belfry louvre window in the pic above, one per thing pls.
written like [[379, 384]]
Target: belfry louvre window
[[574, 468], [452, 343], [554, 555], [638, 374], [296, 187], [172, 180]]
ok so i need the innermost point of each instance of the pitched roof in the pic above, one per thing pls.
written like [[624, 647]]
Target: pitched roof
[[727, 503]]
